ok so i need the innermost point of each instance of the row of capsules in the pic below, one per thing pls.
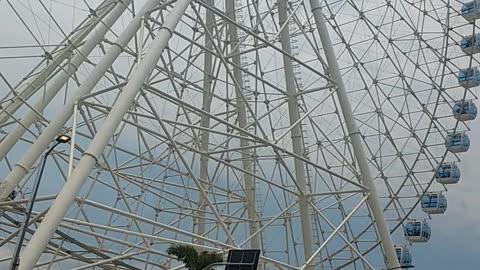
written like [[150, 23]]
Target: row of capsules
[[418, 231]]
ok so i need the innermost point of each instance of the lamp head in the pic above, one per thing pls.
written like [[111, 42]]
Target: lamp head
[[63, 138]]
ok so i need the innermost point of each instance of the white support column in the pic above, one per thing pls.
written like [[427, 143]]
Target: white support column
[[205, 120], [60, 79], [48, 135], [72, 187], [242, 122], [365, 176], [296, 132], [28, 88]]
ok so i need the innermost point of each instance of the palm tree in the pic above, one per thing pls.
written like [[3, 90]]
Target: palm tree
[[192, 259]]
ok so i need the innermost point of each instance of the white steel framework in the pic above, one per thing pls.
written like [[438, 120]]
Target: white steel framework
[[307, 129]]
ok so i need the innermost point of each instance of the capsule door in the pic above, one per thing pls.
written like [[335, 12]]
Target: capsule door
[[404, 256], [469, 77], [465, 111], [457, 142], [470, 44], [470, 11], [434, 203], [448, 173], [417, 231]]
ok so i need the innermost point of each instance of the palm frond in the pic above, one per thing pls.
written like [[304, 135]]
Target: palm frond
[[190, 257]]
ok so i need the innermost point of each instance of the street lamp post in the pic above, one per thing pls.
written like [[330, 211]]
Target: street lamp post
[[14, 263]]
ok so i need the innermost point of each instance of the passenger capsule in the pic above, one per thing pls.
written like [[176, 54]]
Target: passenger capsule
[[470, 44], [404, 256], [465, 110], [434, 203], [448, 173], [470, 11], [469, 77], [417, 231], [457, 142]]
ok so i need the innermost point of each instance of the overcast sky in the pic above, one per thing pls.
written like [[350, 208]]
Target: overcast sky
[[455, 235]]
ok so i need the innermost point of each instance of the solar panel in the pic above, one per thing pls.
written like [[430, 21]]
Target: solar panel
[[246, 259]]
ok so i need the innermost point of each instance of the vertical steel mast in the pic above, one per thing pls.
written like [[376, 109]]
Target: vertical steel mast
[[296, 132], [90, 157], [205, 120], [242, 122], [365, 176]]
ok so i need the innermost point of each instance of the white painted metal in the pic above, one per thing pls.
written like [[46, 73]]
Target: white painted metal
[[72, 140], [296, 133], [205, 120], [336, 230], [90, 157], [177, 166], [29, 87], [60, 79], [365, 175], [242, 123], [48, 135]]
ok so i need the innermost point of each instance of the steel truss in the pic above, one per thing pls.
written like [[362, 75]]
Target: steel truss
[[308, 129]]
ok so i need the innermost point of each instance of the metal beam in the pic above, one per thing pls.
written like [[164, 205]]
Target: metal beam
[[249, 181], [61, 79], [365, 176], [47, 136], [72, 187], [296, 132], [205, 119], [28, 88]]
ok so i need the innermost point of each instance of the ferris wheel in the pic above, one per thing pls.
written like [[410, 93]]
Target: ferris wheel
[[324, 133]]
